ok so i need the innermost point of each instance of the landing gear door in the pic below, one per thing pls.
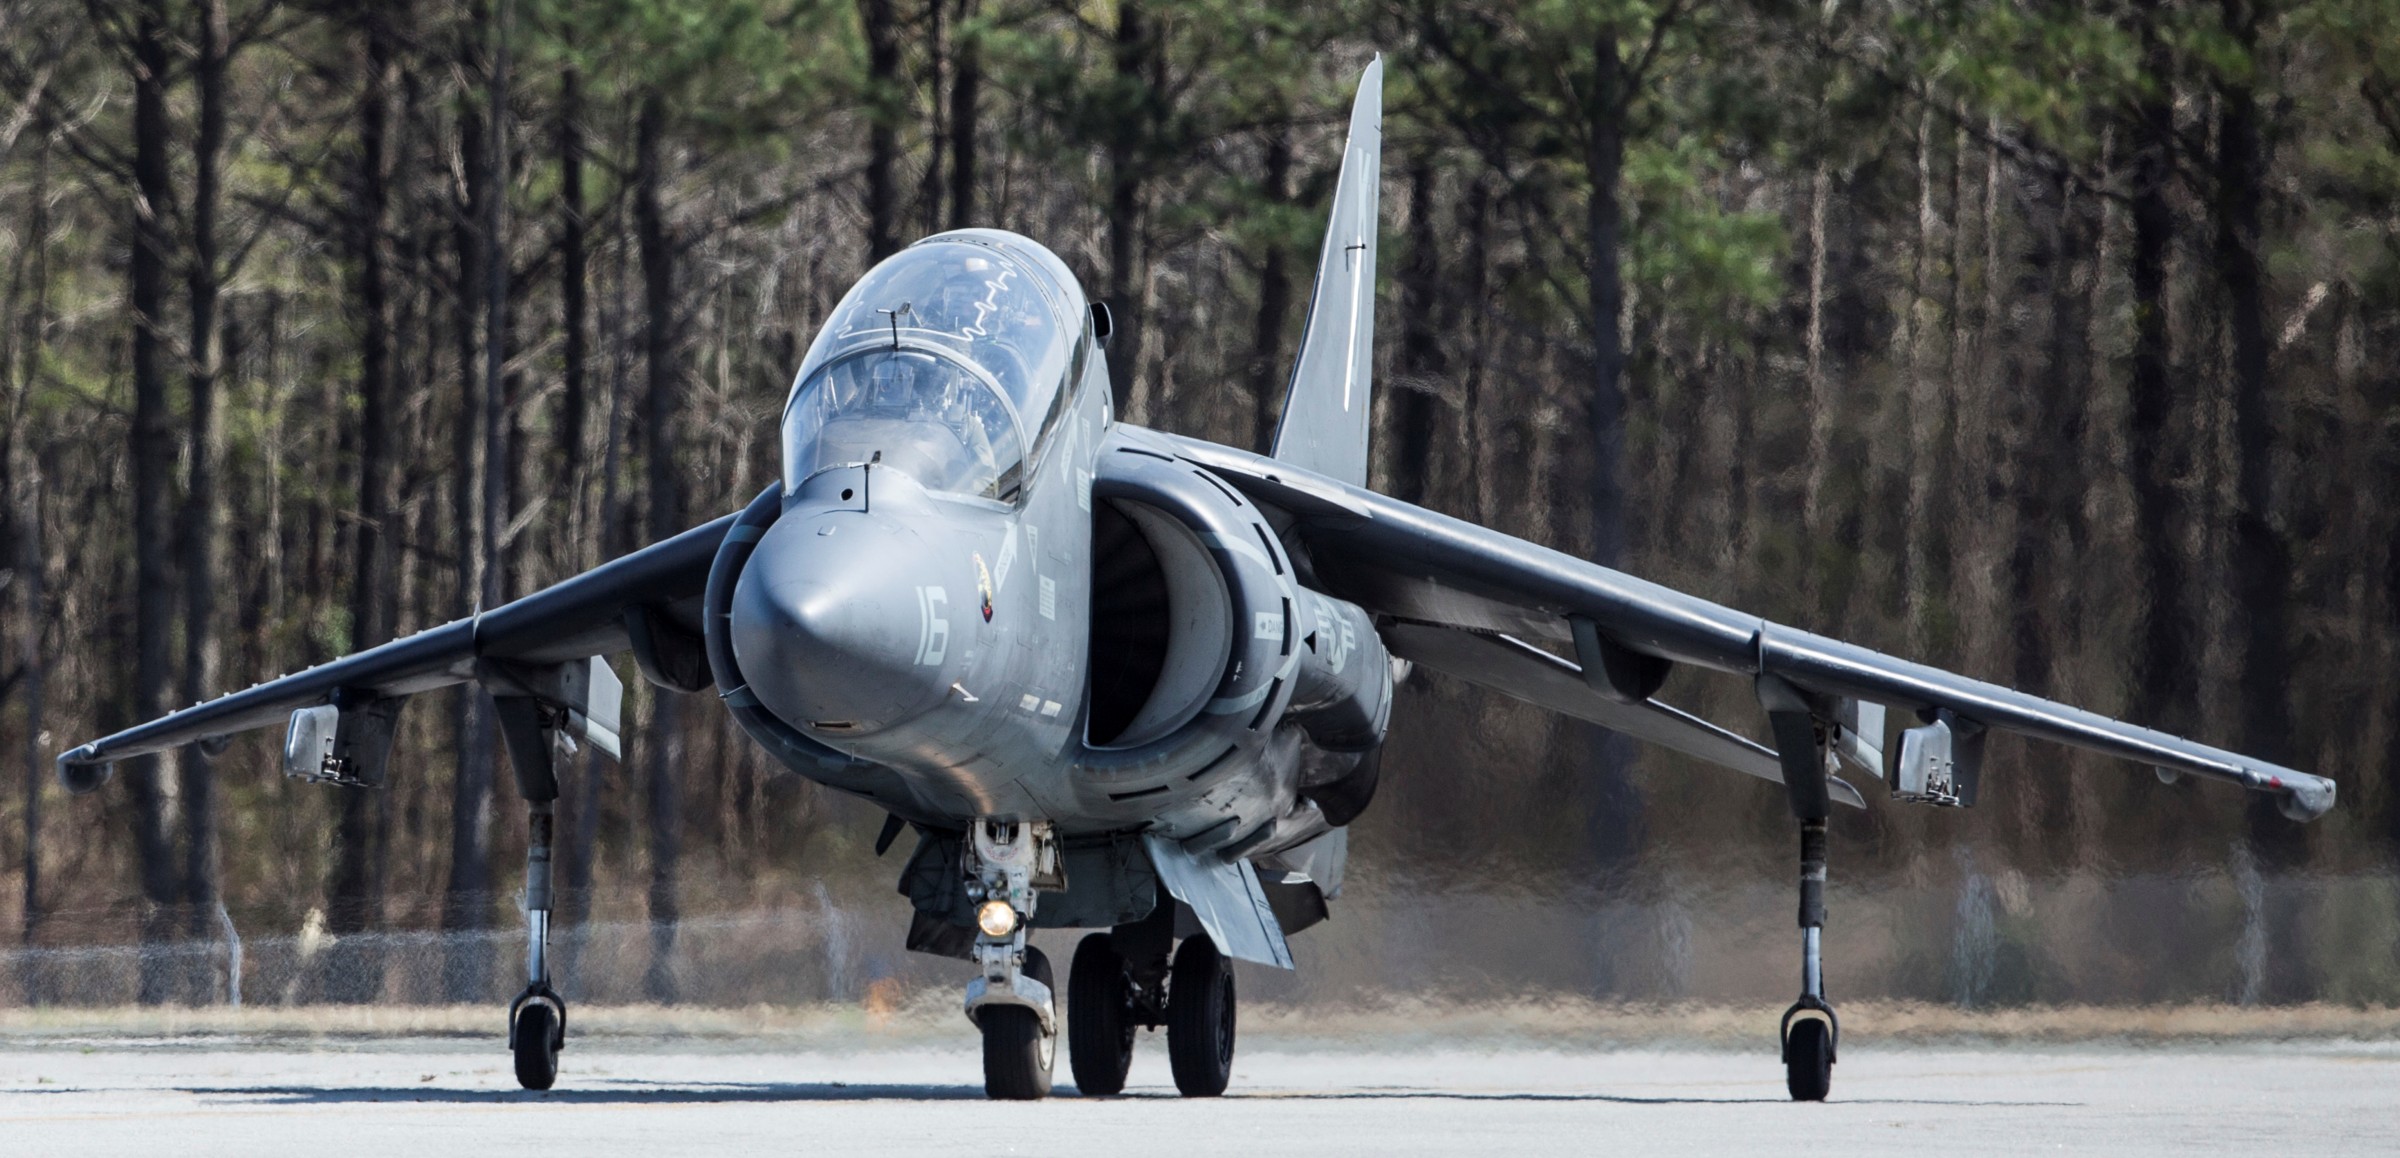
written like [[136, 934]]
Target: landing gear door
[[1226, 898]]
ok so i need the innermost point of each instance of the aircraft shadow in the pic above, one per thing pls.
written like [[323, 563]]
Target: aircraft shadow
[[634, 1095], [798, 1092], [1626, 1099]]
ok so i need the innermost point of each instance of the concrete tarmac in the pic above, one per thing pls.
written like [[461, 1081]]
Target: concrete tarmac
[[445, 1097]]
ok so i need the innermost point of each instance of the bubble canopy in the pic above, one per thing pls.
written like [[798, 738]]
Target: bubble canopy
[[950, 360]]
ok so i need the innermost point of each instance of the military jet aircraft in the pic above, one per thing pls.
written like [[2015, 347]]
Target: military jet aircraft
[[1118, 679]]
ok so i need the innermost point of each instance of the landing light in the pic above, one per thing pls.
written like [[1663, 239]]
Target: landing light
[[996, 918]]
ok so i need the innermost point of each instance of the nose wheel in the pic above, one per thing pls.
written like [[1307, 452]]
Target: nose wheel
[[1017, 1053]]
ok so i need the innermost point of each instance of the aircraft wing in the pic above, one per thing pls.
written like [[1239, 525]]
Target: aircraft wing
[[648, 601], [1416, 567]]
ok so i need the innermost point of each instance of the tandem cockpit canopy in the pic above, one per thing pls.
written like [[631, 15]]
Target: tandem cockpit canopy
[[950, 361]]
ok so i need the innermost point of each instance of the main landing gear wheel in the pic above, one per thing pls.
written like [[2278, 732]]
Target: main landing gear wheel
[[1100, 1020], [1200, 1019], [535, 1039], [1017, 1055], [1808, 1060]]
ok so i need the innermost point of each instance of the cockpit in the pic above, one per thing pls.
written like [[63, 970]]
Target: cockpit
[[950, 361]]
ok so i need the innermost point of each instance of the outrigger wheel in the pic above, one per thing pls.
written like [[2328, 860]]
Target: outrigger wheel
[[1017, 1055], [1100, 1017], [1808, 1049], [1200, 1019], [537, 1030]]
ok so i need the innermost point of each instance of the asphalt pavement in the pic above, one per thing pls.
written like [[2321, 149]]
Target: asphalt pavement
[[355, 1098]]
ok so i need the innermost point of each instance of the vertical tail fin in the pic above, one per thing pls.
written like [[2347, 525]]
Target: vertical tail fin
[[1326, 409]]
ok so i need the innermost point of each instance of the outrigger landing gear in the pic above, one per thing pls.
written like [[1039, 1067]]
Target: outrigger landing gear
[[537, 1019], [1011, 1002], [536, 732], [1810, 1032]]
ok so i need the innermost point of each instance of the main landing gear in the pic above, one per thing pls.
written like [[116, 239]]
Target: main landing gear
[[1125, 980]]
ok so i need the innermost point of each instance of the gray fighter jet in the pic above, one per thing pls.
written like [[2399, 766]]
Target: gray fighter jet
[[1121, 680]]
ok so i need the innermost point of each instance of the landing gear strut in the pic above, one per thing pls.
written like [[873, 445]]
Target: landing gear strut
[[535, 732], [537, 1019], [1011, 1001], [1809, 1031]]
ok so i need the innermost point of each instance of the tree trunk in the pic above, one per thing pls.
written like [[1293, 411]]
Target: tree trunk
[[930, 186], [466, 905], [1267, 368], [883, 133], [1822, 409], [28, 475], [2166, 688], [578, 803], [354, 902], [1414, 412], [153, 452], [966, 85], [200, 518], [1614, 825], [2262, 565], [1604, 163], [1125, 171], [497, 469], [2049, 475], [34, 563], [666, 515], [574, 273]]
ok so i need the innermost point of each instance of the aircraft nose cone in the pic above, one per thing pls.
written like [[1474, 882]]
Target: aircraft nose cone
[[836, 632]]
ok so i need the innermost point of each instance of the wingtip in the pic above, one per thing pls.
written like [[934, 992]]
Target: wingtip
[[80, 772], [2307, 798]]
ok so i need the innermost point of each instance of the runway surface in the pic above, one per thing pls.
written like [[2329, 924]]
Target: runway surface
[[439, 1096]]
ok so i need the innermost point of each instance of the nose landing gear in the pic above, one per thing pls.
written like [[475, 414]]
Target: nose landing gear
[[1012, 1002]]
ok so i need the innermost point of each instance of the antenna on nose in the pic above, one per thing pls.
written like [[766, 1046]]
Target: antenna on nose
[[895, 314]]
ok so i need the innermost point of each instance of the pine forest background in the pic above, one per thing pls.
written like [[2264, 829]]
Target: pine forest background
[[2051, 342]]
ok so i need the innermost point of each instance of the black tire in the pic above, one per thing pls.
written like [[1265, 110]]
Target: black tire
[[1099, 1018], [537, 1046], [1017, 1055], [1200, 1016], [1808, 1060]]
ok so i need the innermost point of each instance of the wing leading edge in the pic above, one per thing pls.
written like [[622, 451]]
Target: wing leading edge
[[1409, 564], [652, 593]]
